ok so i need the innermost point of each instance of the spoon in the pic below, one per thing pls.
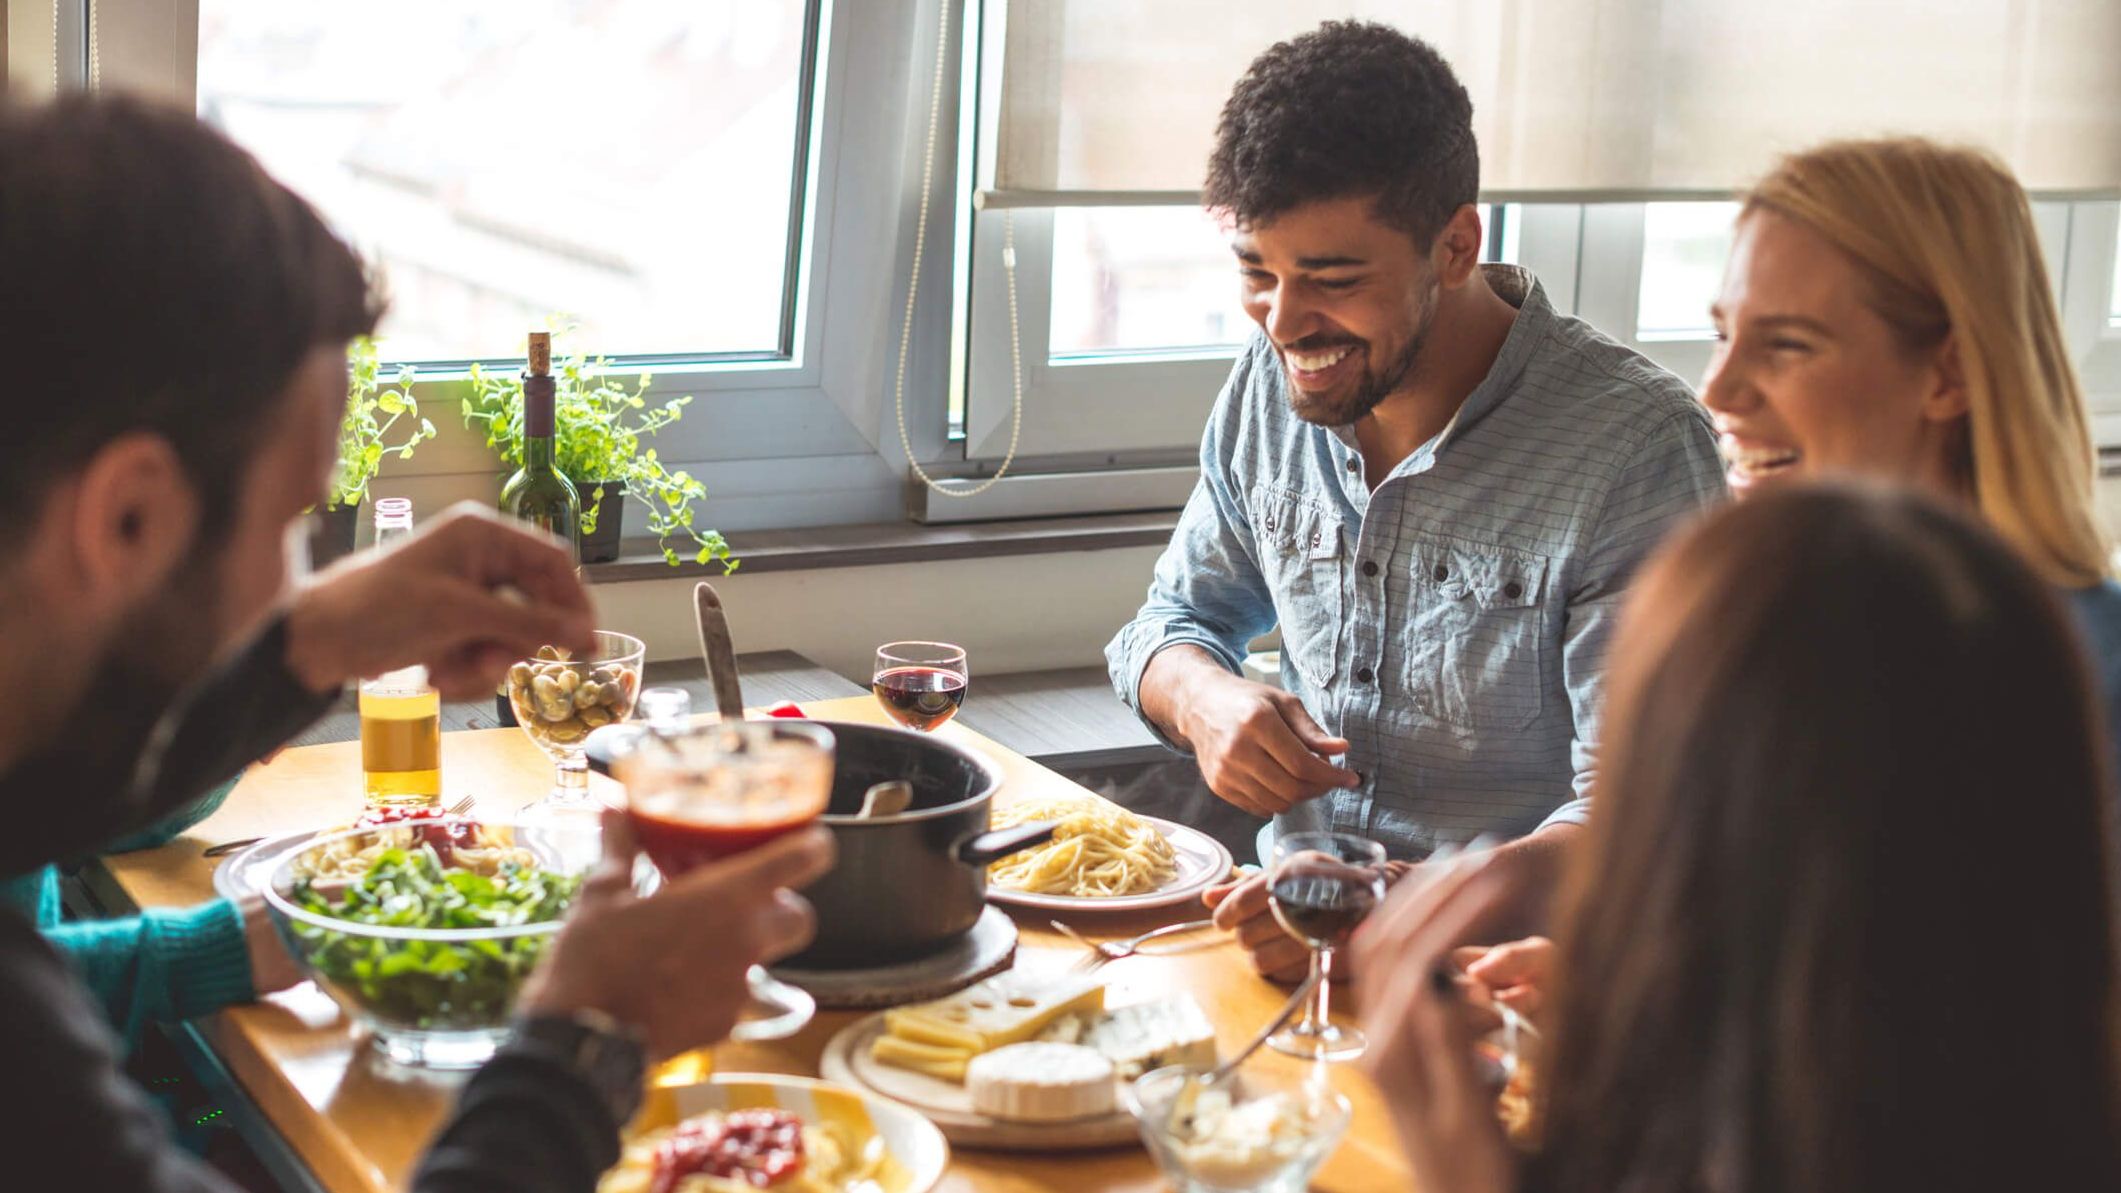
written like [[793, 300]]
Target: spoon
[[888, 798]]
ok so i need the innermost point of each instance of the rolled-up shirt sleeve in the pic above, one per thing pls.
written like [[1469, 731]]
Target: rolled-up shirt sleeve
[[1207, 590], [1674, 475]]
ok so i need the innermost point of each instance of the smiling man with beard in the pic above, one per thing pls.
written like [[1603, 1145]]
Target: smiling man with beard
[[1435, 484]]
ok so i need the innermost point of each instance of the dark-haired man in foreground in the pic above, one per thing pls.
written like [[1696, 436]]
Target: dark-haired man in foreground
[[176, 326], [1434, 483]]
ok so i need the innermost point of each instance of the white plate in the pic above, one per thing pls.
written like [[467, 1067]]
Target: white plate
[[1202, 862], [917, 1151], [949, 1106]]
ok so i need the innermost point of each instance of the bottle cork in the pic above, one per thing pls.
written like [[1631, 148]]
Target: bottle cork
[[540, 353]]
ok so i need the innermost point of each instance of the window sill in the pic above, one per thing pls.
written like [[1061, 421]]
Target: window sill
[[895, 542]]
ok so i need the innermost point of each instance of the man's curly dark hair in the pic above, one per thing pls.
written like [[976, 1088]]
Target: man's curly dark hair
[[1350, 108]]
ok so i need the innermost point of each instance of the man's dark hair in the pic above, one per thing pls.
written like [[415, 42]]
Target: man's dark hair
[[1351, 108], [153, 278]]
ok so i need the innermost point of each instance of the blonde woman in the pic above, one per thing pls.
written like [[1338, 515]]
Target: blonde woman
[[1886, 313]]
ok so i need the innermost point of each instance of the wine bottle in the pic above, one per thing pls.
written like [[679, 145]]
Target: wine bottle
[[539, 493]]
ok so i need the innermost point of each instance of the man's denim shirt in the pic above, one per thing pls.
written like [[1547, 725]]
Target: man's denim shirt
[[1451, 625]]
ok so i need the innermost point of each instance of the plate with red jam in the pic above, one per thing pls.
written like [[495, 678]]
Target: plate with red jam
[[767, 1131]]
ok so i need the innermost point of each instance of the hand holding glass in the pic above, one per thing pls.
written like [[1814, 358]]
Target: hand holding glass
[[696, 797], [1321, 886]]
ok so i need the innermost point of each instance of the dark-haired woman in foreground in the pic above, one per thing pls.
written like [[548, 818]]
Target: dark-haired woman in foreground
[[1795, 953]]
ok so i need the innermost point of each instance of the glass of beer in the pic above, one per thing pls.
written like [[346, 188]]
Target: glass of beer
[[401, 740], [698, 796]]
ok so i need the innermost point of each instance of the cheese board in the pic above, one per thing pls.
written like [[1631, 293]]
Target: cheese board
[[1021, 1061], [948, 1105]]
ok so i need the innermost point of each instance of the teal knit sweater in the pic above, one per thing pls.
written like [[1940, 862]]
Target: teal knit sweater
[[158, 967]]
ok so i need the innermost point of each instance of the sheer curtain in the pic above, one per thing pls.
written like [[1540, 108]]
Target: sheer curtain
[[147, 47], [1106, 101]]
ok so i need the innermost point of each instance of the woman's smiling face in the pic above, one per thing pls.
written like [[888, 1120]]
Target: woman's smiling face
[[1808, 380]]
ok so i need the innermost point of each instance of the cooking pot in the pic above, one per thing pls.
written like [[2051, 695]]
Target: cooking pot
[[908, 885]]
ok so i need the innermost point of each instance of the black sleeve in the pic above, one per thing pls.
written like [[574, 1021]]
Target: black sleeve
[[69, 1110], [525, 1124], [246, 708]]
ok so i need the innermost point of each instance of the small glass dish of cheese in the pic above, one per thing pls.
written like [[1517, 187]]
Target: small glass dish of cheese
[[1255, 1132]]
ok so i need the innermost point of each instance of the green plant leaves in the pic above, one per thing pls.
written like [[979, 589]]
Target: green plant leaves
[[599, 440], [364, 439]]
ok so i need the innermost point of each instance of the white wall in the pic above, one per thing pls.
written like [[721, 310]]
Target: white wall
[[1017, 613]]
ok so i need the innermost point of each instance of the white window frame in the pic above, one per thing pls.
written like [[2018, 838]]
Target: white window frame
[[810, 439], [2087, 312]]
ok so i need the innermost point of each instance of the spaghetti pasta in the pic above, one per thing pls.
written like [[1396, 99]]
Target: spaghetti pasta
[[1099, 851]]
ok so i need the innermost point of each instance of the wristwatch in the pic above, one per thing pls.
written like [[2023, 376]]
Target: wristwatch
[[605, 1053]]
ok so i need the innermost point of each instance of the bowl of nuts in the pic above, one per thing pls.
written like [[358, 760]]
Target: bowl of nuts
[[558, 698]]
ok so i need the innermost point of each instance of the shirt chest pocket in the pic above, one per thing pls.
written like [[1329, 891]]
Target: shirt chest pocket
[[1300, 554], [1476, 650]]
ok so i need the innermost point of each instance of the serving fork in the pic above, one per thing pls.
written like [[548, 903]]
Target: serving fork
[[1103, 951]]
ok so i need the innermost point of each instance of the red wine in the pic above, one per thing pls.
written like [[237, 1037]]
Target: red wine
[[920, 697], [1322, 905]]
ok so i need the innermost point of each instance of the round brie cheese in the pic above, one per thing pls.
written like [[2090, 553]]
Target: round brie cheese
[[1041, 1083]]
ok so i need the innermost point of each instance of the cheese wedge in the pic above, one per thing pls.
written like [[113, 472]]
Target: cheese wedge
[[1148, 1036], [946, 1064], [1041, 1083], [1000, 1011]]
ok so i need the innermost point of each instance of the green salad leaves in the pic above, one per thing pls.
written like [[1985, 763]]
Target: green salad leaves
[[432, 984]]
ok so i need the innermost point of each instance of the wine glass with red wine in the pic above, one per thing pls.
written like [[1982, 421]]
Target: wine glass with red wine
[[1321, 885], [695, 796], [921, 684]]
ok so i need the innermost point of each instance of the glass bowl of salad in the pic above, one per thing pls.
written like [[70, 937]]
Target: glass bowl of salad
[[425, 931]]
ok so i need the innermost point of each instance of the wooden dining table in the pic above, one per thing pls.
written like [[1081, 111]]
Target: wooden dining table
[[327, 1111]]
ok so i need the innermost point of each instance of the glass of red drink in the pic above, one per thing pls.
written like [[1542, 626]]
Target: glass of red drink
[[921, 684], [717, 790]]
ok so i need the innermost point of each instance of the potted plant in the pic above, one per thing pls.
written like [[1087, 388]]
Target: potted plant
[[599, 425], [365, 439]]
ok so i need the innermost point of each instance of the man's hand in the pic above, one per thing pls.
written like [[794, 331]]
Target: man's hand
[[1258, 747], [1241, 907], [672, 965], [272, 968], [441, 599]]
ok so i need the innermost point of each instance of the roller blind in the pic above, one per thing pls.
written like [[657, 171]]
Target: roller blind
[[147, 47], [1115, 101]]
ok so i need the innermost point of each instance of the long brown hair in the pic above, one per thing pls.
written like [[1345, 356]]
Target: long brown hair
[[1844, 919], [1944, 237]]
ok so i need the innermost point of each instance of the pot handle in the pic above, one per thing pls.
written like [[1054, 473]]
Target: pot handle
[[988, 848]]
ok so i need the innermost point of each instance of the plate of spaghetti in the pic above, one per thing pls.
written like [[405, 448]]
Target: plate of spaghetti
[[1103, 858], [742, 1132]]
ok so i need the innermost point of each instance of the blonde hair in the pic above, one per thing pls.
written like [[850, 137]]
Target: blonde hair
[[1945, 237]]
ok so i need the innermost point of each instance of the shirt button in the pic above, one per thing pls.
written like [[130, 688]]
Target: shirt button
[[1354, 465], [1364, 675], [1441, 573], [1369, 567], [1513, 590]]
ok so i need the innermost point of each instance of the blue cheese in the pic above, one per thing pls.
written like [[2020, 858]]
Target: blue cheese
[[1146, 1036]]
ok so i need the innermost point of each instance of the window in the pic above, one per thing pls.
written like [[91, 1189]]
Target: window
[[1684, 246], [630, 164], [1132, 279], [2113, 309]]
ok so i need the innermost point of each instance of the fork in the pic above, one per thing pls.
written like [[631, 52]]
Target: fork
[[1103, 951], [227, 847]]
